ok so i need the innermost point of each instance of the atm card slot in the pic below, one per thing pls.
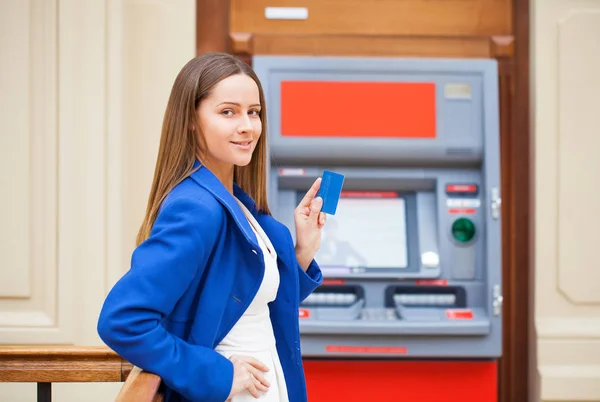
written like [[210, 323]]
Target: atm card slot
[[433, 297]]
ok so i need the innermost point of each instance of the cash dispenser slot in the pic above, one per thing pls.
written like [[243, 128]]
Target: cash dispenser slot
[[406, 310], [335, 303], [426, 297], [424, 303]]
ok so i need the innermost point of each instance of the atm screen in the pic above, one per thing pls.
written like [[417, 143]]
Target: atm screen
[[368, 231]]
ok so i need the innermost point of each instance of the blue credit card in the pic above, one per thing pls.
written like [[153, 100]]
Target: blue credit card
[[330, 191]]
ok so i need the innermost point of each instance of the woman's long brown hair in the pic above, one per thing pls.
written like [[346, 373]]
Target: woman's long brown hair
[[179, 143]]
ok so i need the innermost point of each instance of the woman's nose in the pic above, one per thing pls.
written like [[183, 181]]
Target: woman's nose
[[245, 124]]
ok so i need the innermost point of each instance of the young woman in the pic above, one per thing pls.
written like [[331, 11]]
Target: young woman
[[210, 302]]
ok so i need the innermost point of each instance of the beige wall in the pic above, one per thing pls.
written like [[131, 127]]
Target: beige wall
[[565, 115], [80, 112], [81, 105]]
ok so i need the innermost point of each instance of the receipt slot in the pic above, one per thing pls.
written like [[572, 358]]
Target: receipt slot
[[411, 300]]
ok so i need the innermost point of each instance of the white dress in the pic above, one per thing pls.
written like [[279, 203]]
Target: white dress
[[253, 334]]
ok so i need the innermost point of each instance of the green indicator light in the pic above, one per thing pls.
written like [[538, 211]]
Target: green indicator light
[[463, 230]]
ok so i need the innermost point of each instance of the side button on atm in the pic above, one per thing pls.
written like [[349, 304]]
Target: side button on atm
[[497, 300]]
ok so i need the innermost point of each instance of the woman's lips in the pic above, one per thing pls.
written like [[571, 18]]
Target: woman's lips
[[243, 145]]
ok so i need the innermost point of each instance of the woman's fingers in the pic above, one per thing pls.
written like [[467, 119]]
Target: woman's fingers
[[254, 379], [322, 219], [259, 386], [253, 391], [256, 363], [258, 375], [311, 193]]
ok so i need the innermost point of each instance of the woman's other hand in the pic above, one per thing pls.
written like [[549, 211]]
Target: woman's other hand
[[248, 374], [309, 221]]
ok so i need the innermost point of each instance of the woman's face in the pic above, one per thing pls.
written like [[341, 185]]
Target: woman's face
[[229, 119]]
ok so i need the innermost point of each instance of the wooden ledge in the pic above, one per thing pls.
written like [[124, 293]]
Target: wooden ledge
[[62, 364], [141, 386]]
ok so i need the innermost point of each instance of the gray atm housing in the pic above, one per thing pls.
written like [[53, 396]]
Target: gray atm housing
[[406, 312]]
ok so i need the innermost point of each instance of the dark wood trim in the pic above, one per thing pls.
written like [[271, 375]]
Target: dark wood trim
[[515, 374], [247, 44], [212, 26], [506, 82], [522, 171]]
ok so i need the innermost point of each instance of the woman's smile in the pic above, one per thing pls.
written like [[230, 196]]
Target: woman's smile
[[245, 145]]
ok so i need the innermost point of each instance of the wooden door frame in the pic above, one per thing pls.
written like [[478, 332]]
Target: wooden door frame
[[517, 191], [518, 209]]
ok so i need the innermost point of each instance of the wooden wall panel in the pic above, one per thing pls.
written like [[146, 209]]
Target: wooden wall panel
[[212, 26], [379, 17], [419, 28]]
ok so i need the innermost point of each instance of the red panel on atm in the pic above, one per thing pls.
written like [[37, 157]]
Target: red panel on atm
[[410, 381], [358, 109]]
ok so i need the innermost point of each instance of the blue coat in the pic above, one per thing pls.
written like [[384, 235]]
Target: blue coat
[[192, 280]]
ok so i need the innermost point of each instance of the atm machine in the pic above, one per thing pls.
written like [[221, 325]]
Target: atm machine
[[411, 304]]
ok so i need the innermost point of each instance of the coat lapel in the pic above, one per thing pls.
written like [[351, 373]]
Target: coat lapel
[[272, 228], [205, 178], [210, 182]]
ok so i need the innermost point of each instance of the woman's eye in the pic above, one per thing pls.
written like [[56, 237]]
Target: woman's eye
[[255, 112], [227, 112]]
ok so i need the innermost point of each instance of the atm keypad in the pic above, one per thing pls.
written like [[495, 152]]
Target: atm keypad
[[425, 299], [330, 299]]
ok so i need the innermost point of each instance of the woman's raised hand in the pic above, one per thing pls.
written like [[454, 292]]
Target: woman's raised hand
[[309, 221]]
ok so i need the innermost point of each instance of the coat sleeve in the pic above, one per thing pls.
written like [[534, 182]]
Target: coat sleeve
[[309, 280], [162, 269]]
